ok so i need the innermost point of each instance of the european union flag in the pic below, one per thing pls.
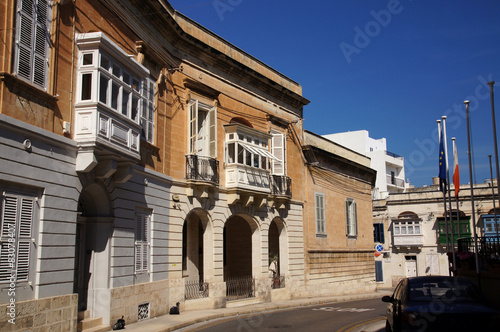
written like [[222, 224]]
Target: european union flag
[[442, 165]]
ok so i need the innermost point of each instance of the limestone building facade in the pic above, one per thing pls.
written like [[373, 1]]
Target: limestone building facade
[[147, 161], [415, 239]]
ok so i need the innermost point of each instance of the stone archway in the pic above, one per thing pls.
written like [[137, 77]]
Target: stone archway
[[197, 247], [92, 250], [242, 256], [278, 252]]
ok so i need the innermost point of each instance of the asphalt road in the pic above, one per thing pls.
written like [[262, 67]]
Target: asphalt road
[[328, 317]]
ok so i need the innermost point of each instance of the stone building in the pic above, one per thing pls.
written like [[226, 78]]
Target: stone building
[[147, 161], [338, 226], [415, 239]]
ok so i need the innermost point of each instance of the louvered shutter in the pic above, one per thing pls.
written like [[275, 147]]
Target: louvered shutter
[[17, 224], [355, 218], [33, 38], [278, 150], [138, 243], [40, 63], [9, 216], [142, 243], [212, 145], [24, 238], [193, 125], [347, 219], [320, 214], [145, 243]]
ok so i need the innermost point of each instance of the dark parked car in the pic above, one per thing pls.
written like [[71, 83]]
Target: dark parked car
[[438, 303]]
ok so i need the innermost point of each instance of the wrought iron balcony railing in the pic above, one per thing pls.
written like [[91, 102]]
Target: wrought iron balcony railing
[[202, 168], [281, 185]]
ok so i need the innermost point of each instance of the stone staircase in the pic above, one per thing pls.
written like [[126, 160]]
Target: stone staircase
[[87, 324]]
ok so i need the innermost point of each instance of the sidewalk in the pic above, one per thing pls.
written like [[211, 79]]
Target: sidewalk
[[169, 323]]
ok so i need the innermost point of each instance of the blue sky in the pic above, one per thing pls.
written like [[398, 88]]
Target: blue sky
[[390, 67]]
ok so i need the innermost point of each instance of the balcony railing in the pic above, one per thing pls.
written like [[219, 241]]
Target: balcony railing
[[395, 181], [281, 185], [202, 168], [393, 155]]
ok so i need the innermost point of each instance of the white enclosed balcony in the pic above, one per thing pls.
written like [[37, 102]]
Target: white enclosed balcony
[[113, 105], [407, 234]]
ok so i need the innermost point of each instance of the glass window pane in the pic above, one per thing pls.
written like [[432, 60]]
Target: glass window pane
[[116, 70], [103, 88], [241, 151], [230, 152], [125, 102], [396, 230], [104, 62], [410, 229], [417, 229], [248, 159], [135, 107], [135, 84], [86, 86], [115, 90], [403, 229], [126, 77], [88, 59]]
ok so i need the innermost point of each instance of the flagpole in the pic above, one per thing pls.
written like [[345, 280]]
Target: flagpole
[[493, 195], [449, 195], [466, 102], [456, 185], [442, 177], [491, 83]]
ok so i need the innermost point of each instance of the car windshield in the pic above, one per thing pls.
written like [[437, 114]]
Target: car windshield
[[448, 290]]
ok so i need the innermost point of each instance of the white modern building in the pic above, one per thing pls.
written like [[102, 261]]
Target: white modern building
[[389, 166]]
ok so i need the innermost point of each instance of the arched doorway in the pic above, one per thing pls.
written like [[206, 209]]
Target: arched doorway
[[197, 246], [241, 256], [197, 254], [94, 230], [278, 253]]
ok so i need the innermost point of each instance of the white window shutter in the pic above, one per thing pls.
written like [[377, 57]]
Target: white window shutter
[[142, 242], [25, 33], [145, 243], [9, 214], [17, 221], [32, 39], [193, 125], [212, 117], [138, 243], [278, 150], [24, 238], [148, 109]]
